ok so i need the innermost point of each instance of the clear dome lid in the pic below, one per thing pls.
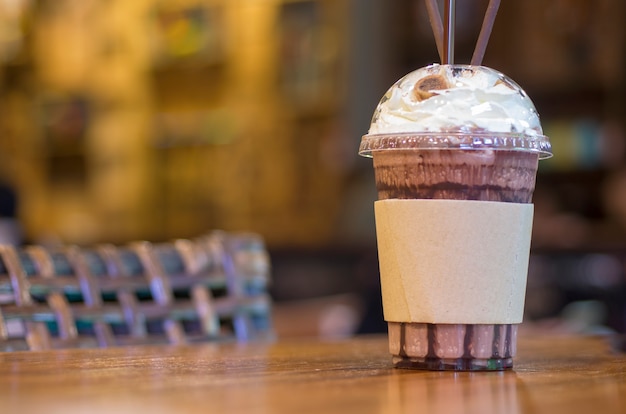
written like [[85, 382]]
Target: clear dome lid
[[456, 107]]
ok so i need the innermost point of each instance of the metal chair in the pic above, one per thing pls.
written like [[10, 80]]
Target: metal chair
[[213, 288]]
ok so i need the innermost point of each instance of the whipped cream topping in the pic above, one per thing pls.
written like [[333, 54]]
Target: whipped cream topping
[[456, 98]]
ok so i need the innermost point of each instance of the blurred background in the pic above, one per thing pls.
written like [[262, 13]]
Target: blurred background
[[152, 120]]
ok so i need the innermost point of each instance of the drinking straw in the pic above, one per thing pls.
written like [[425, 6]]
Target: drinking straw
[[448, 32], [435, 23], [485, 32]]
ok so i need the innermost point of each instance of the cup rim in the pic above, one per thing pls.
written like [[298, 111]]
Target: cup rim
[[509, 141]]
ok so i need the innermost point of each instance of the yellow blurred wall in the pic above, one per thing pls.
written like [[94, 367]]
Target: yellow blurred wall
[[179, 141]]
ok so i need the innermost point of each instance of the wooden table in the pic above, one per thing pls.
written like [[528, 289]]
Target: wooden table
[[552, 375]]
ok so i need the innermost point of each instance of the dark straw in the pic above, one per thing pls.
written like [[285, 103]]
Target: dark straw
[[435, 23], [485, 32]]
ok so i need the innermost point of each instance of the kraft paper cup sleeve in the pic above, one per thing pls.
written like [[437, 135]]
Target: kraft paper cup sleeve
[[449, 261]]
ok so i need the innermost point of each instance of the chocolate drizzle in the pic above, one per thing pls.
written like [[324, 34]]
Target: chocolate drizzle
[[431, 341], [467, 342], [495, 346], [507, 341], [463, 192]]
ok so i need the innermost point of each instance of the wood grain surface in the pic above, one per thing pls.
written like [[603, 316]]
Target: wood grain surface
[[553, 374]]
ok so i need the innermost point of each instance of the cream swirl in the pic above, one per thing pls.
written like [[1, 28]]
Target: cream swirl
[[456, 98]]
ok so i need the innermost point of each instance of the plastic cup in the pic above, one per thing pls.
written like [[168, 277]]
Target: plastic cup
[[465, 162]]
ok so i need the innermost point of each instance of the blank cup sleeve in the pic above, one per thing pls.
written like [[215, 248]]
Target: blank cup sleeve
[[449, 261]]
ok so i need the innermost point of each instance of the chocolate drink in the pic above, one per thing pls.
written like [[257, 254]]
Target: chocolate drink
[[455, 151], [485, 175], [489, 175]]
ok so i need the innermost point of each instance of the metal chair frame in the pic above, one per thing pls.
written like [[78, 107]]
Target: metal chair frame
[[213, 288]]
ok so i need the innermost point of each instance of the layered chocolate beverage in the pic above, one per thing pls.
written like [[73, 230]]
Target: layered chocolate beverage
[[455, 151], [507, 176]]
